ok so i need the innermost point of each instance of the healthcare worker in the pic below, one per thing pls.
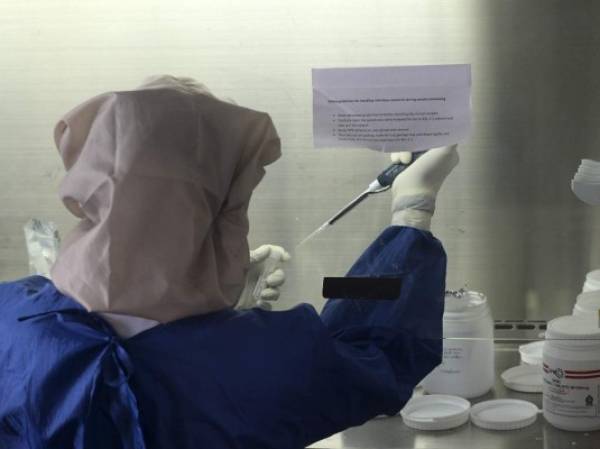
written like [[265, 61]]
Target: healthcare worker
[[135, 342]]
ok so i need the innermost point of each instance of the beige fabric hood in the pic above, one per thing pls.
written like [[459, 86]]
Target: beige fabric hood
[[161, 178]]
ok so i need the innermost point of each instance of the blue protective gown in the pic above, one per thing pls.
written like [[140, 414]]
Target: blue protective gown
[[231, 379]]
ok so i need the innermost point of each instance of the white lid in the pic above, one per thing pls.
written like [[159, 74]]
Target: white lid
[[590, 285], [574, 328], [532, 353], [524, 378], [593, 276], [588, 302], [587, 192], [436, 412], [464, 304], [504, 414]]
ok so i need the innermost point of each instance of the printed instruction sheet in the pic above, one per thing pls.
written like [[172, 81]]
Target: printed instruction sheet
[[389, 109]]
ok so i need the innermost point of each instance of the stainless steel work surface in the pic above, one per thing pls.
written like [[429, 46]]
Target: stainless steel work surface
[[391, 433]]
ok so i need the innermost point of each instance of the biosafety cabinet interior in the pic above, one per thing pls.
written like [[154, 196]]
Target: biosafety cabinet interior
[[519, 241]]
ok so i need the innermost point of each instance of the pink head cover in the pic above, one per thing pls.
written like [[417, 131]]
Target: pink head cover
[[161, 179]]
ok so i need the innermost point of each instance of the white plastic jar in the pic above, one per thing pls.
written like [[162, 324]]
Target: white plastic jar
[[588, 303], [467, 368], [572, 373]]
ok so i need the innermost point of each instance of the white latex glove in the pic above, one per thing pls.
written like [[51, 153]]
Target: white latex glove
[[415, 189], [259, 258]]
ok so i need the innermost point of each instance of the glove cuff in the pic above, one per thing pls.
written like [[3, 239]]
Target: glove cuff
[[413, 211], [412, 218]]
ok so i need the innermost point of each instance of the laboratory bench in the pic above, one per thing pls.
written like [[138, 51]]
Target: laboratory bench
[[391, 433]]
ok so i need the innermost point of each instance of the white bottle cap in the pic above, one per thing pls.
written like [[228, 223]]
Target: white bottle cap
[[593, 276], [504, 414], [524, 378], [436, 412], [586, 190], [592, 281], [531, 353], [588, 302], [584, 329]]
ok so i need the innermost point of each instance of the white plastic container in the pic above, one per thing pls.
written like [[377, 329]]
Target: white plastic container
[[588, 303], [572, 373], [467, 368]]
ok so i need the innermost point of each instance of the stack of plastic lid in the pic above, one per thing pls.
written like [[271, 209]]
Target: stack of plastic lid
[[528, 376], [524, 378], [588, 303], [586, 182], [444, 412], [592, 281]]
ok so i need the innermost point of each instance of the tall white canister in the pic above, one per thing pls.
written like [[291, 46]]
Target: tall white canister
[[467, 368], [572, 373]]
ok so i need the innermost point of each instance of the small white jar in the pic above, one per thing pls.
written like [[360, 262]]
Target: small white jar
[[467, 368], [588, 303], [572, 373]]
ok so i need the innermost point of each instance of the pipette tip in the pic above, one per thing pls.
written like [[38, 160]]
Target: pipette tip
[[313, 234]]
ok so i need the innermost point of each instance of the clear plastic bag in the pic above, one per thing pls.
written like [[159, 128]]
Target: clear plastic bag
[[42, 240]]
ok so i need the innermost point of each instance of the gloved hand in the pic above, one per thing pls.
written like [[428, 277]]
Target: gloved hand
[[260, 259], [415, 189]]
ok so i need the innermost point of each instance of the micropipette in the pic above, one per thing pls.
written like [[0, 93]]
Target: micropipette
[[382, 183]]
